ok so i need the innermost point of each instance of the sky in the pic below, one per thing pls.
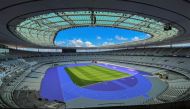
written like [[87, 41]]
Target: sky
[[96, 36]]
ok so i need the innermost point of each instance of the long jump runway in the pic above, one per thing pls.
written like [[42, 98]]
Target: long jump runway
[[57, 85]]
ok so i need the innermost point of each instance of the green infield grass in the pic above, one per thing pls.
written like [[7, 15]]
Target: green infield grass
[[86, 75]]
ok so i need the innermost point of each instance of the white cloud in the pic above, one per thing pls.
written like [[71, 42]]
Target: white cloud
[[107, 43], [76, 42], [98, 37], [81, 43], [120, 38], [148, 35], [60, 43], [110, 39], [89, 44], [136, 38]]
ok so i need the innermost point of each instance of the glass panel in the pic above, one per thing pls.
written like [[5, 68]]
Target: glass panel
[[109, 18], [138, 17], [126, 25], [133, 21], [79, 17], [55, 19], [104, 22], [62, 23], [82, 22]]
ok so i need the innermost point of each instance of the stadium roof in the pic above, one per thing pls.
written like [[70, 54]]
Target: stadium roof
[[35, 23], [42, 29]]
